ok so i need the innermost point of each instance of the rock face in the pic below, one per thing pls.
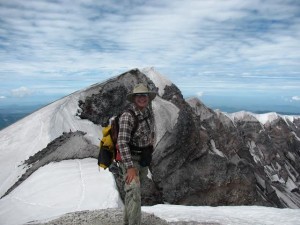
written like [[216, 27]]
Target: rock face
[[274, 147], [110, 98], [197, 166], [268, 152], [206, 157]]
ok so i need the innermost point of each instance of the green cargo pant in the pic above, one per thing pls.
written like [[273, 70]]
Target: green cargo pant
[[132, 210]]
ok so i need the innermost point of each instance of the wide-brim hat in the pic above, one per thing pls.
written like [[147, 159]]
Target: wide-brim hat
[[141, 89]]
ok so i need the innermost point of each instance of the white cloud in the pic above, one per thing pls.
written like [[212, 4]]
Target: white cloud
[[21, 92], [2, 97], [296, 98], [200, 93], [252, 43]]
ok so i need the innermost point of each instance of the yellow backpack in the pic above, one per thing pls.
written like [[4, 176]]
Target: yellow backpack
[[107, 148], [109, 151]]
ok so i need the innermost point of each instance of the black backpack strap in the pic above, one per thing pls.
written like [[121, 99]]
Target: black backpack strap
[[137, 121]]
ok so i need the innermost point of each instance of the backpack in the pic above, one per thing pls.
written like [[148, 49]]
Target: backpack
[[109, 151]]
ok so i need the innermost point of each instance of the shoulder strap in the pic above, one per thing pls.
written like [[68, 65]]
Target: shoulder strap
[[136, 121], [114, 132]]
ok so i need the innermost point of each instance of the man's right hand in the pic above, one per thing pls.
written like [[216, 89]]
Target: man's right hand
[[131, 175]]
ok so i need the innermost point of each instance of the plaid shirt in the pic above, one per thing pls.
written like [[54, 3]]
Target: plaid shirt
[[142, 137]]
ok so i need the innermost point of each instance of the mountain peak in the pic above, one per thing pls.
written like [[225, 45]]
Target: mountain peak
[[158, 79], [243, 116], [199, 154]]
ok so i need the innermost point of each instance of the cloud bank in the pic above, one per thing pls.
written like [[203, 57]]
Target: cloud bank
[[206, 46], [21, 92]]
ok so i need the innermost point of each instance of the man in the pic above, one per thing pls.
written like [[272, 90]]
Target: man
[[136, 149]]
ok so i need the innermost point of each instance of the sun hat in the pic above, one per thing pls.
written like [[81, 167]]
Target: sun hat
[[141, 89]]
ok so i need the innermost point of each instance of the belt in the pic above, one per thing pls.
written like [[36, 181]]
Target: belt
[[134, 150]]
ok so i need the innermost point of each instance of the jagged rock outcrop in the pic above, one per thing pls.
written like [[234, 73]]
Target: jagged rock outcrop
[[206, 157], [270, 149], [110, 97], [274, 147], [193, 169]]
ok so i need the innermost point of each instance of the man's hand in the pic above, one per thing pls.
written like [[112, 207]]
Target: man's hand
[[131, 175]]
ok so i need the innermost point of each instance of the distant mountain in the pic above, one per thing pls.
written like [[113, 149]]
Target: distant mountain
[[12, 113], [279, 112], [201, 157], [283, 110], [7, 119]]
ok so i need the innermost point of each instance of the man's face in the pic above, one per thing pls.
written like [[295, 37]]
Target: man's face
[[141, 100]]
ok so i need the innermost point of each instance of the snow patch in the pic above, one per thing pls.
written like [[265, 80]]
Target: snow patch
[[59, 188], [266, 117], [291, 184], [291, 156], [298, 139], [272, 174], [291, 171], [255, 152], [262, 118], [165, 115], [215, 150], [284, 197], [32, 134], [159, 80], [224, 215], [292, 118]]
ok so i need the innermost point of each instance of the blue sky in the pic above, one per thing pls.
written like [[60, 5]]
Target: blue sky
[[243, 54]]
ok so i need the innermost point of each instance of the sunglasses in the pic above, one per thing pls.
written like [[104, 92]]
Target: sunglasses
[[141, 95]]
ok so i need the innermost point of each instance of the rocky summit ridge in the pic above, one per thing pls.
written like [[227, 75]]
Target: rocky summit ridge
[[204, 157], [201, 157]]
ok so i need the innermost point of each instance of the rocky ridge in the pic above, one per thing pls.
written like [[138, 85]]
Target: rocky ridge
[[208, 157], [201, 157]]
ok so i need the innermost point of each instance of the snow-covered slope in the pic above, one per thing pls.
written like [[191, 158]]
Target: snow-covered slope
[[59, 188], [31, 134], [263, 118], [66, 186]]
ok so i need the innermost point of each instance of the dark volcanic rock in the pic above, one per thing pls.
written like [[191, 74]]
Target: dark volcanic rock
[[110, 97], [206, 157], [189, 168]]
